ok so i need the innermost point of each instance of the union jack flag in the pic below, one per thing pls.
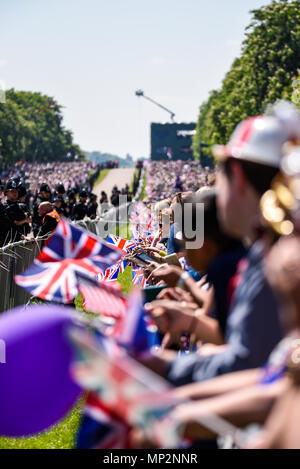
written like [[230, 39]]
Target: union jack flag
[[119, 387], [138, 277], [100, 428], [123, 244], [110, 275], [52, 276], [132, 331]]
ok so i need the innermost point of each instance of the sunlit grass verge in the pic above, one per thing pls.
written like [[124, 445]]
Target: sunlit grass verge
[[60, 436], [102, 175]]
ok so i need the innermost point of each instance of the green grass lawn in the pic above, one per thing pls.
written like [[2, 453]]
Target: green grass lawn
[[102, 175], [60, 436]]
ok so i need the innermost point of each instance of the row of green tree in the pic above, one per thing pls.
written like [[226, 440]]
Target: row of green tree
[[266, 71], [31, 129]]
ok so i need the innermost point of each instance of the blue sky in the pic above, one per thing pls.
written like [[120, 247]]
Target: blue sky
[[91, 55]]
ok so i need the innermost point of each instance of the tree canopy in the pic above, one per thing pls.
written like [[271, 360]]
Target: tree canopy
[[31, 129], [264, 73]]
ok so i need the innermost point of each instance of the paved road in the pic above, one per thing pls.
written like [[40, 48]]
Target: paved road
[[120, 177]]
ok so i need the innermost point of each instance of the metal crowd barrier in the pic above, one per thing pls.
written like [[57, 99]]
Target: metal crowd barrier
[[14, 262]]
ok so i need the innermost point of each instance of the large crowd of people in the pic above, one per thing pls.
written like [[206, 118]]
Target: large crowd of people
[[164, 178], [220, 255], [34, 196], [229, 310], [73, 175]]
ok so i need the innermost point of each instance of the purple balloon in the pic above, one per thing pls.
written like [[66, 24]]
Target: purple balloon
[[36, 388]]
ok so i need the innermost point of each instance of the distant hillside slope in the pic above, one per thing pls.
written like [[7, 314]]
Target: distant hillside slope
[[99, 157]]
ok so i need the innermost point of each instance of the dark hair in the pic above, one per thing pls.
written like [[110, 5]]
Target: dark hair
[[212, 227], [258, 175]]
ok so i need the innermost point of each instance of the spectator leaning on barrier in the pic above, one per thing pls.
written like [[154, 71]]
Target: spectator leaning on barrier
[[50, 218], [59, 206]]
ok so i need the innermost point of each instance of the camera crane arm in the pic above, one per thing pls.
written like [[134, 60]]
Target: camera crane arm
[[140, 94]]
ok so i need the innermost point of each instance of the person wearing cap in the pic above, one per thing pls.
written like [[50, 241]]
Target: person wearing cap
[[44, 196], [104, 198], [60, 193], [80, 209], [70, 204], [58, 205], [23, 204], [50, 218], [92, 207], [18, 217]]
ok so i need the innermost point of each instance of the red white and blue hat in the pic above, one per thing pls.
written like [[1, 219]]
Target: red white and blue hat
[[258, 139]]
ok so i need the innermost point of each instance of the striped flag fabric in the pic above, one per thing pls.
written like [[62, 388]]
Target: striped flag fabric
[[102, 298], [132, 331], [138, 276], [100, 428], [122, 393], [110, 274]]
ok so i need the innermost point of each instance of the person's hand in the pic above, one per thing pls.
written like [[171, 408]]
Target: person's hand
[[149, 249], [171, 316], [28, 238], [175, 294], [138, 249], [129, 258], [262, 440], [155, 256], [151, 266], [172, 338], [170, 274]]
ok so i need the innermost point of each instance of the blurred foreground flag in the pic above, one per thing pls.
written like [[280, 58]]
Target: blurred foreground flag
[[132, 331], [52, 276], [100, 428], [122, 393], [138, 277]]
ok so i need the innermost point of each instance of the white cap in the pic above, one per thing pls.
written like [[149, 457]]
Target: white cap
[[258, 139]]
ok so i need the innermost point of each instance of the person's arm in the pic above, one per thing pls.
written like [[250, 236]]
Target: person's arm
[[173, 317], [219, 385], [21, 222], [207, 329], [48, 226], [204, 298], [242, 407], [174, 275]]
